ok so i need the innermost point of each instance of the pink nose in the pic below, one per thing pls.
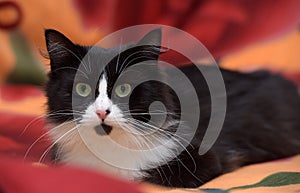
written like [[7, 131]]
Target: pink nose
[[102, 114]]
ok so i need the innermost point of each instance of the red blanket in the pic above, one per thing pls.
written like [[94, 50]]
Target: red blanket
[[222, 26]]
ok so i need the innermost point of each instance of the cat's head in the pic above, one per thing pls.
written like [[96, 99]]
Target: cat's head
[[110, 90]]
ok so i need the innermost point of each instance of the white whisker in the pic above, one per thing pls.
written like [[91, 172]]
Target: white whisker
[[56, 141]]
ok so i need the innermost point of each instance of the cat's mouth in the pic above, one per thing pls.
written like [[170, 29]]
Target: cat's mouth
[[103, 129]]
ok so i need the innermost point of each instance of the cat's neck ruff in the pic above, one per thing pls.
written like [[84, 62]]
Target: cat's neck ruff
[[75, 148]]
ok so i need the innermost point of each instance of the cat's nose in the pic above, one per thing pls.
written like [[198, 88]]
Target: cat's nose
[[102, 114]]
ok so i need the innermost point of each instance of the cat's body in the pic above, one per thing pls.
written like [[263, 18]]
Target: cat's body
[[262, 123], [262, 119]]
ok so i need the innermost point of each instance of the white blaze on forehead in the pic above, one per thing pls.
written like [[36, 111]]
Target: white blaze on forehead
[[103, 86], [103, 102]]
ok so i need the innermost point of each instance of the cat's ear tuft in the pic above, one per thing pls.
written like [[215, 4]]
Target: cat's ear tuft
[[151, 38], [58, 46]]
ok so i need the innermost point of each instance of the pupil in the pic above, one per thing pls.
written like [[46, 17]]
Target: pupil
[[83, 88], [123, 88]]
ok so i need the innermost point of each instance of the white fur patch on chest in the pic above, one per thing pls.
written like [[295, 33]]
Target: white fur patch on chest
[[85, 148]]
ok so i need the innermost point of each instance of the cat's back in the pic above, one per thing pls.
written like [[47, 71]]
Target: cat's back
[[262, 119], [248, 87]]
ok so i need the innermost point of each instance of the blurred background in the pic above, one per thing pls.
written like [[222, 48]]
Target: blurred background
[[242, 35]]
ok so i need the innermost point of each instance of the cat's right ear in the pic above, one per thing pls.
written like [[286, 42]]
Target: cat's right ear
[[59, 48]]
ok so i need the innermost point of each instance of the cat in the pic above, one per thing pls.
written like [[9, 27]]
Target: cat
[[262, 120]]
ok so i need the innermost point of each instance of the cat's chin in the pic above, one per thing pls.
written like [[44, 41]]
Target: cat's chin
[[103, 129]]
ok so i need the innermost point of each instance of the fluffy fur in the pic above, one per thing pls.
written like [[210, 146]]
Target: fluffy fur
[[262, 120]]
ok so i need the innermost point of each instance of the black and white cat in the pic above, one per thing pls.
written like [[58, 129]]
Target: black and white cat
[[93, 128]]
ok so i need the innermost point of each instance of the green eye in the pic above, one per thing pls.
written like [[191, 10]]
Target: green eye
[[83, 89], [123, 90]]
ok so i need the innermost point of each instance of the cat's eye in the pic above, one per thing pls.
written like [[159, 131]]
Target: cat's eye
[[83, 89], [123, 90]]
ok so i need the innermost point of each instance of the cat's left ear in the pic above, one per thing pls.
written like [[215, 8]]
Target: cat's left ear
[[152, 38], [150, 44], [61, 50]]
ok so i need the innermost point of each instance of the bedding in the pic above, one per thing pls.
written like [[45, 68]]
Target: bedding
[[23, 130]]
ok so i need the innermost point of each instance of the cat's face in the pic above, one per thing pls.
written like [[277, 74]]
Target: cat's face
[[99, 91]]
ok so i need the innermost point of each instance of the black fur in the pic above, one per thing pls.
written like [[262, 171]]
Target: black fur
[[262, 121]]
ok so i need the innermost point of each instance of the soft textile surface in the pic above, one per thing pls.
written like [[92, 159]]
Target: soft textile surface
[[282, 176], [25, 178], [222, 26], [22, 125], [276, 176]]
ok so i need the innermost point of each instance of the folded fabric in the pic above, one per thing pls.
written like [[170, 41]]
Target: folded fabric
[[282, 176], [17, 177], [222, 26]]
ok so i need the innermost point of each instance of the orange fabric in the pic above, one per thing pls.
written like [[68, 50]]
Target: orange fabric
[[245, 176], [22, 99], [254, 173], [7, 57], [281, 54], [38, 16]]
